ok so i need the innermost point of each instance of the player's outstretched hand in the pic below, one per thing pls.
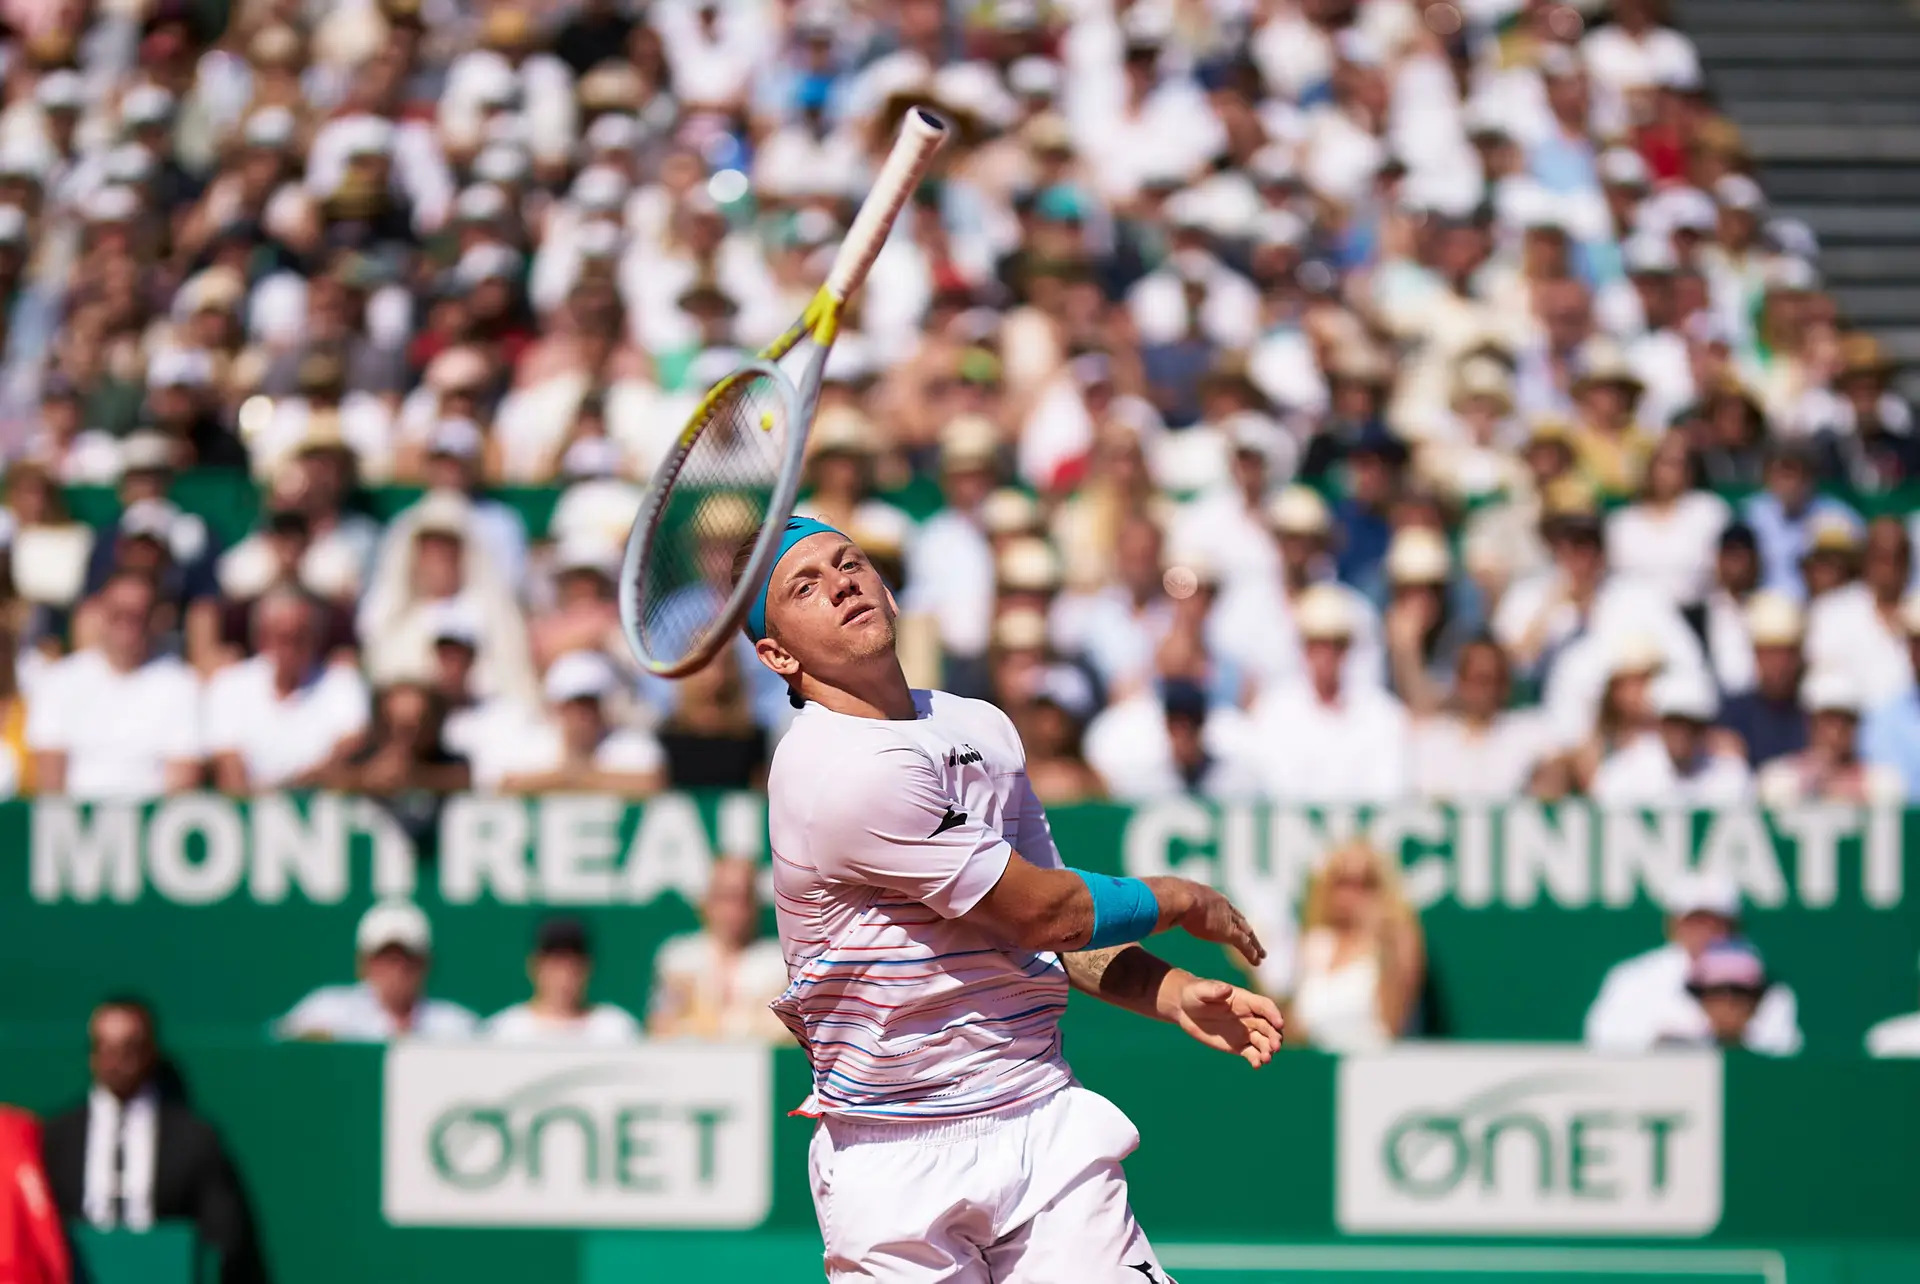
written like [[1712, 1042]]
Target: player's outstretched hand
[[1230, 1019], [1198, 910]]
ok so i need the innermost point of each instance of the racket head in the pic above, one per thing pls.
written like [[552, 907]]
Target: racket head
[[734, 470]]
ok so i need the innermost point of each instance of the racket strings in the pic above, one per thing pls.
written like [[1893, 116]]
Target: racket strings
[[717, 497]]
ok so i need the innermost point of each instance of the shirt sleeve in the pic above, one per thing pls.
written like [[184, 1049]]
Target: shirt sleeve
[[47, 729], [222, 721], [182, 740], [1032, 834], [889, 824]]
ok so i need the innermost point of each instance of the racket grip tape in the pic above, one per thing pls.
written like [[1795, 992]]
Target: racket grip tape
[[921, 135]]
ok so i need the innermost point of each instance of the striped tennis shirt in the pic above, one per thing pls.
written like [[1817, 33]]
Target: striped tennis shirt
[[885, 833]]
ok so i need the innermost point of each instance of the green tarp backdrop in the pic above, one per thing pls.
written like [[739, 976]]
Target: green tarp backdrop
[[224, 913]]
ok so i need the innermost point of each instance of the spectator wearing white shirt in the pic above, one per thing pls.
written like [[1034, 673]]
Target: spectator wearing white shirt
[[280, 719], [716, 983], [1897, 1036], [950, 563], [561, 968], [1728, 982], [1475, 749], [1361, 960], [1857, 628], [1667, 539], [1830, 768], [1321, 738], [1680, 766], [577, 749], [393, 948], [1255, 625], [115, 720], [1123, 624], [1645, 997], [1636, 50], [1227, 526]]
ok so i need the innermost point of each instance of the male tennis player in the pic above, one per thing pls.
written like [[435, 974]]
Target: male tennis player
[[931, 933]]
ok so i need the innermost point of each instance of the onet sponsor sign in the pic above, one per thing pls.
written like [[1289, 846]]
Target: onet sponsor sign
[[1529, 1141], [648, 1136]]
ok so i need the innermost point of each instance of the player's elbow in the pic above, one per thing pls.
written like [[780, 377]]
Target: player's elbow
[[1057, 921]]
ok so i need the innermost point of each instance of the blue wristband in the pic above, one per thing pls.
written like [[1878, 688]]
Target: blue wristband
[[1124, 909]]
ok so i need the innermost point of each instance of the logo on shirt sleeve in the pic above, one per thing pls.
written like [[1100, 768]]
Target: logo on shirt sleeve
[[962, 756], [952, 820]]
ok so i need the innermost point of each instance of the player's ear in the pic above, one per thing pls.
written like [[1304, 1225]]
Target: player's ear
[[893, 607], [776, 657]]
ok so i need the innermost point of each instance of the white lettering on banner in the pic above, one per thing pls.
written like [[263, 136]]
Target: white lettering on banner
[[1637, 853], [197, 849], [76, 857], [579, 840], [289, 849], [1528, 1140], [657, 1135]]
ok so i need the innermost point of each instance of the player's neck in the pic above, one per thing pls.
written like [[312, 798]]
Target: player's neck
[[877, 689]]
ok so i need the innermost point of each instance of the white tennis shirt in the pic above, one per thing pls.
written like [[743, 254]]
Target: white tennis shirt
[[884, 834]]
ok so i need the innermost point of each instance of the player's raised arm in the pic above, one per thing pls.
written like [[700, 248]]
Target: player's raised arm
[[1070, 909]]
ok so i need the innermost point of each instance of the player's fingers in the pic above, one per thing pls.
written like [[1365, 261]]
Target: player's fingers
[[1261, 1006]]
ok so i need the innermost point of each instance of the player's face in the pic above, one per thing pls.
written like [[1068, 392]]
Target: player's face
[[828, 607]]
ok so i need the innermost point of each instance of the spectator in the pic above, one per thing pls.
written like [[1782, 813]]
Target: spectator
[[1856, 629], [1727, 982], [116, 720], [403, 758], [133, 1156], [959, 593], [393, 949], [1769, 719], [1424, 632], [577, 749], [1680, 765], [1054, 734], [1736, 578], [1361, 956], [1668, 539], [711, 740], [1646, 996], [1474, 749], [560, 968], [33, 1247], [1121, 626], [1319, 737], [1783, 515], [1890, 734], [1897, 1036], [1226, 526], [1829, 769], [283, 718], [716, 983], [1256, 626]]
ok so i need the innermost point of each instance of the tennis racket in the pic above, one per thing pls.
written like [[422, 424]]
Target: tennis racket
[[735, 468]]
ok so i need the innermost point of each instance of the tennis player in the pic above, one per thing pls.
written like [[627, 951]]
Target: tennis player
[[931, 934]]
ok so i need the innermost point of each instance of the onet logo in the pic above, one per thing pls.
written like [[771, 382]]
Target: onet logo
[[960, 757], [566, 1118], [1554, 1131]]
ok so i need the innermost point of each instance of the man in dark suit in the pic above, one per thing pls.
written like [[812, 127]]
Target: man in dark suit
[[131, 1156]]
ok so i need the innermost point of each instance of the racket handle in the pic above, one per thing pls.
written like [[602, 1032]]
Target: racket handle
[[921, 135]]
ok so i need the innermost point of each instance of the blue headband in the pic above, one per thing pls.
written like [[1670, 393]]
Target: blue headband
[[798, 528]]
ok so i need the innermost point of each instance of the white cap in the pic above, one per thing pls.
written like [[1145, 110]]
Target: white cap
[[1028, 565], [145, 451], [486, 263], [1279, 227], [581, 553], [1683, 693], [1034, 77], [180, 368], [1700, 892], [1623, 167], [13, 224], [111, 204], [146, 105], [153, 518], [1738, 192], [613, 132], [1299, 510], [1688, 209], [1008, 511], [1774, 619], [500, 164], [1417, 555], [1647, 254], [269, 127], [480, 203], [579, 675], [1323, 614], [1634, 653], [455, 622], [599, 187], [390, 923], [1831, 691], [1021, 630], [61, 90], [460, 438]]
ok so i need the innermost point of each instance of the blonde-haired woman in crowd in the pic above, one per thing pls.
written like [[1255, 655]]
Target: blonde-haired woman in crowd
[[1362, 958]]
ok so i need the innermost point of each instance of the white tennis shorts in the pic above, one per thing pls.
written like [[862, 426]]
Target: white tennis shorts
[[1033, 1196]]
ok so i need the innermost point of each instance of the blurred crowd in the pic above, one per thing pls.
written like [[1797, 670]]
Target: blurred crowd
[[1327, 399]]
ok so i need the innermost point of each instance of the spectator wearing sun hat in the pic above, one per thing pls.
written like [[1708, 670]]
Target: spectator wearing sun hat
[[1890, 732], [1856, 628], [577, 748], [1768, 717], [1681, 765]]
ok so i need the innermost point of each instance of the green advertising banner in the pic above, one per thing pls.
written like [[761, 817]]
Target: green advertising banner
[[226, 912]]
